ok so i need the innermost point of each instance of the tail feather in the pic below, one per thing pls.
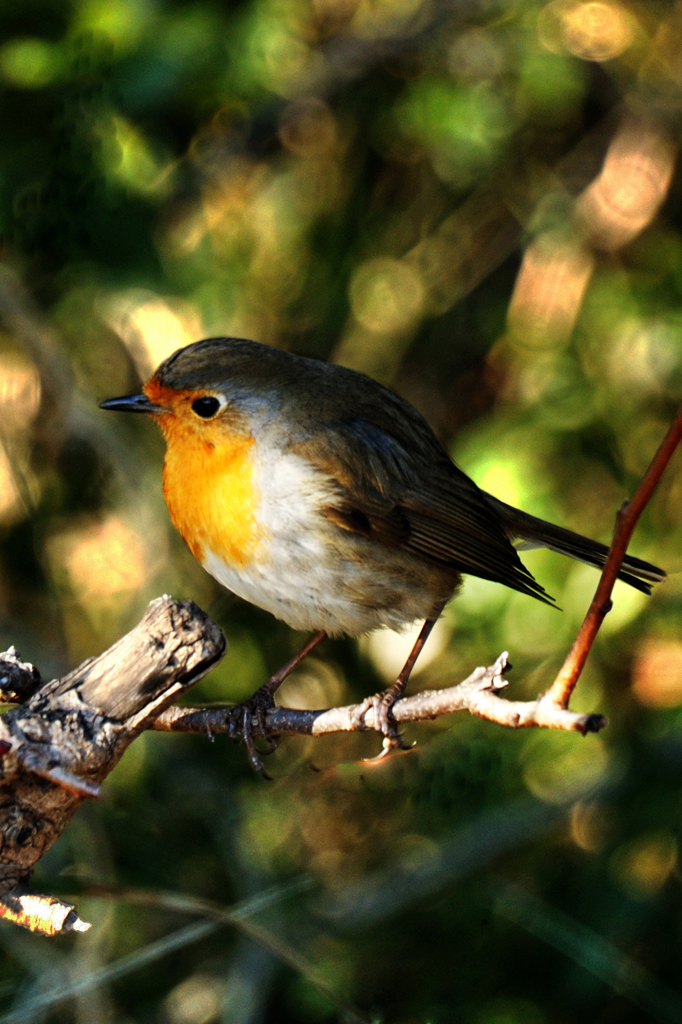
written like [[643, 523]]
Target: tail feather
[[529, 532]]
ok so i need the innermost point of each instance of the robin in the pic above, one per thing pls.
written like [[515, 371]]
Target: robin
[[317, 494]]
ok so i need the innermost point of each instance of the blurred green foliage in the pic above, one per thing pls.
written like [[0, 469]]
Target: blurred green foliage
[[476, 203]]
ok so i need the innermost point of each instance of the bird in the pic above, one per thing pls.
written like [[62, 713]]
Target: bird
[[316, 493]]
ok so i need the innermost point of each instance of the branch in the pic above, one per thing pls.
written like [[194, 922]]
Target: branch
[[477, 694], [627, 518], [71, 732], [44, 914]]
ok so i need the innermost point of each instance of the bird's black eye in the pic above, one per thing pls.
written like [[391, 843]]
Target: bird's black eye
[[206, 407]]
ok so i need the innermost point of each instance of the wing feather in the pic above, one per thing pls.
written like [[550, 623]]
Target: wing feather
[[381, 491]]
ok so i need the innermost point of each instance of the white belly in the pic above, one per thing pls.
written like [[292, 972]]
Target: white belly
[[314, 575]]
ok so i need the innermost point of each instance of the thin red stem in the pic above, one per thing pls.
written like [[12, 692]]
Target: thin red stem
[[626, 521]]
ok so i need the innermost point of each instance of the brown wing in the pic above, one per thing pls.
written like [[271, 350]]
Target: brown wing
[[389, 490]]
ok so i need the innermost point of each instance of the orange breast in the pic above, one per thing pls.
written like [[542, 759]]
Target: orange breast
[[209, 487]]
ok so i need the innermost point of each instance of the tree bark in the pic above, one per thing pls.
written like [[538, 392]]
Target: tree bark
[[58, 746]]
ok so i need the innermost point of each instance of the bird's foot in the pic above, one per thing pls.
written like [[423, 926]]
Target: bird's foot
[[384, 722], [247, 722]]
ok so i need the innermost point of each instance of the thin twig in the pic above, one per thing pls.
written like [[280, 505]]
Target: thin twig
[[477, 694], [561, 689], [44, 914]]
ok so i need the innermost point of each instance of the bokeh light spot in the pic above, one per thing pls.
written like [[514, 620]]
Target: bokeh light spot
[[20, 390], [122, 21], [557, 768], [501, 480], [277, 56], [376, 18], [128, 159], [580, 586], [149, 328], [316, 686], [103, 562], [461, 125], [196, 1000], [643, 865], [597, 31], [309, 128], [633, 183], [590, 823], [643, 355], [476, 56], [549, 290], [657, 673], [30, 63], [389, 650], [386, 295], [12, 508]]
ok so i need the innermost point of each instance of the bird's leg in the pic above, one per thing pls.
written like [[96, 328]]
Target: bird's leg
[[382, 703], [241, 716]]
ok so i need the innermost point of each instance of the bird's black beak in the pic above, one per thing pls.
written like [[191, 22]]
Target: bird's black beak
[[132, 403]]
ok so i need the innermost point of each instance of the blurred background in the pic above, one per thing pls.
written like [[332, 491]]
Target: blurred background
[[477, 204]]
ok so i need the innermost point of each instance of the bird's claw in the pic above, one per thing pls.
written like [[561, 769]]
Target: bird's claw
[[247, 722], [384, 722]]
